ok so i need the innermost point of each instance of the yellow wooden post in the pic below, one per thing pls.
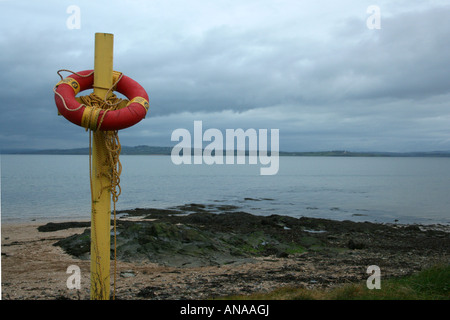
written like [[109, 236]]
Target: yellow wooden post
[[101, 184]]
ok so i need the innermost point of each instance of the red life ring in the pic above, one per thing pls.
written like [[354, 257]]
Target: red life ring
[[72, 110]]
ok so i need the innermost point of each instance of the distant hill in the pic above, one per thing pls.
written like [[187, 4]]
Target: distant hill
[[339, 153], [137, 150], [152, 150]]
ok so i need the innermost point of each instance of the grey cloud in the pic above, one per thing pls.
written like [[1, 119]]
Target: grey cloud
[[229, 69], [323, 83]]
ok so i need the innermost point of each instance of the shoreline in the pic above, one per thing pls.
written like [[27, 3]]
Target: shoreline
[[33, 267], [217, 206], [391, 222]]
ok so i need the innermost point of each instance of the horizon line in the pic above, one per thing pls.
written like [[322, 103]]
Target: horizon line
[[166, 150]]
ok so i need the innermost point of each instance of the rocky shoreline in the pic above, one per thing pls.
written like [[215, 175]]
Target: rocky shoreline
[[199, 251]]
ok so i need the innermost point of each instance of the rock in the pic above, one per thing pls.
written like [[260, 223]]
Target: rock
[[207, 238], [78, 245], [55, 226], [355, 245], [412, 227], [127, 274], [147, 292], [282, 254]]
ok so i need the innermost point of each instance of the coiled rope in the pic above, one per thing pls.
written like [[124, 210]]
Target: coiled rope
[[93, 106]]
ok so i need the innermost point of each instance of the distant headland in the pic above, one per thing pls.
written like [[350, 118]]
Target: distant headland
[[155, 150]]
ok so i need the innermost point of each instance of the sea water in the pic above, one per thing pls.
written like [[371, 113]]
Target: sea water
[[376, 189]]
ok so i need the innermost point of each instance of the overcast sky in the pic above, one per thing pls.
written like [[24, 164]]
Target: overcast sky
[[312, 69]]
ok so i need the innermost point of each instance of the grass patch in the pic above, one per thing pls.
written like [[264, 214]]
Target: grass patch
[[429, 284]]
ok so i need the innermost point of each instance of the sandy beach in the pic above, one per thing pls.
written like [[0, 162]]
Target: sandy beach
[[34, 268]]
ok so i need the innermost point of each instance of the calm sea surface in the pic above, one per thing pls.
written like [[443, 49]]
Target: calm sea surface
[[410, 190]]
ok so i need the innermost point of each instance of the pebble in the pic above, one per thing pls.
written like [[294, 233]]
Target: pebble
[[127, 274]]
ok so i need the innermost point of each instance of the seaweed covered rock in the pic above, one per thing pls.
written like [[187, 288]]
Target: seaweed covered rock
[[169, 237], [193, 244], [78, 245]]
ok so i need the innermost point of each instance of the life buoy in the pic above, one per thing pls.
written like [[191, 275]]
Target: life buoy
[[73, 110]]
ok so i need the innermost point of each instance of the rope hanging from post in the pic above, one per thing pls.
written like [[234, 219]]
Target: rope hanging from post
[[113, 148]]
